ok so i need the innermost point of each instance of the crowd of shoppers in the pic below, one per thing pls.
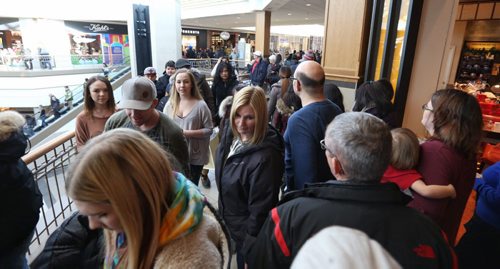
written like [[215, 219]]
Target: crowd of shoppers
[[336, 171]]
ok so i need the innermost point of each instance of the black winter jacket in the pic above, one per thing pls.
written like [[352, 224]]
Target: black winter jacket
[[205, 90], [221, 90], [248, 183], [20, 198], [379, 210], [163, 81], [72, 245]]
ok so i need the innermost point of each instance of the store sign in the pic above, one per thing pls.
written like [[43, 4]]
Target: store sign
[[100, 28], [224, 35], [97, 28], [190, 32]]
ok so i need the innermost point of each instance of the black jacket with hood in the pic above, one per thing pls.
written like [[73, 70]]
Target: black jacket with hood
[[248, 183], [379, 210], [20, 198], [205, 90]]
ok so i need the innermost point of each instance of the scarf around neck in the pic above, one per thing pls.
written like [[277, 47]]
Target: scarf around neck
[[185, 212], [183, 216]]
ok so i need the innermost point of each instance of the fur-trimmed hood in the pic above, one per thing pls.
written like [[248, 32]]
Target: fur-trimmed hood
[[225, 106]]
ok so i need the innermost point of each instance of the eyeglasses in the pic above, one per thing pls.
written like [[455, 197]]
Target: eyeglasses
[[323, 147], [425, 107]]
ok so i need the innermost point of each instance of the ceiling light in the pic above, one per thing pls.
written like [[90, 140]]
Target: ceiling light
[[307, 19], [308, 5], [289, 14]]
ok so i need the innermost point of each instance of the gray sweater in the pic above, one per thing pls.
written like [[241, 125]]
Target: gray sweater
[[199, 118]]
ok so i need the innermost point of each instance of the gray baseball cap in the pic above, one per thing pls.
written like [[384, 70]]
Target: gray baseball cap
[[137, 93]]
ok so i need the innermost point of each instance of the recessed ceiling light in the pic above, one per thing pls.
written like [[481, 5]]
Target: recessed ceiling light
[[308, 5], [307, 19], [289, 14]]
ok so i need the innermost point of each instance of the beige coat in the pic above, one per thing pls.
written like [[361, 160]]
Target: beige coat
[[206, 247]]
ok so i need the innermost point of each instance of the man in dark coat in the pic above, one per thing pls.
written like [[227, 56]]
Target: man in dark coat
[[358, 149], [55, 105], [258, 69]]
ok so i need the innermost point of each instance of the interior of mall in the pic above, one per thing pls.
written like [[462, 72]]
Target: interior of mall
[[418, 46]]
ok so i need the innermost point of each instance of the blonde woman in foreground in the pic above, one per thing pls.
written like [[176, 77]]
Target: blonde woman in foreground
[[152, 217]]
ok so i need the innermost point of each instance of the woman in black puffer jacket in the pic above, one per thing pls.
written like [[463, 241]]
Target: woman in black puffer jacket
[[20, 198]]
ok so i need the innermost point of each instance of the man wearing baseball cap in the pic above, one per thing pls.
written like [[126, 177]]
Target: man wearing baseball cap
[[150, 73], [137, 104], [258, 69]]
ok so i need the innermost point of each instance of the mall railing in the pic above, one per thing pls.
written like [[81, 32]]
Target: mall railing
[[48, 164], [205, 65], [117, 76], [47, 61]]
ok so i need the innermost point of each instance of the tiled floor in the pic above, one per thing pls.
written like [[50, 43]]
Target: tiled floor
[[212, 195]]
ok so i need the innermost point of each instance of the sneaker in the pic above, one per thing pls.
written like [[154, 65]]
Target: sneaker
[[205, 181]]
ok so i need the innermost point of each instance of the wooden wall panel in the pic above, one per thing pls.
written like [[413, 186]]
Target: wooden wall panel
[[343, 39], [484, 11]]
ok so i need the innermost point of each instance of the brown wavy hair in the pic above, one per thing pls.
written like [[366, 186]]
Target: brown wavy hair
[[89, 104], [458, 121]]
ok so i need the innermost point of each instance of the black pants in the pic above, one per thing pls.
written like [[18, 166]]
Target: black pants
[[480, 245], [195, 173]]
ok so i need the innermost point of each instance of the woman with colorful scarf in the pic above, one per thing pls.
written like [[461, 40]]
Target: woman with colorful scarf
[[152, 217]]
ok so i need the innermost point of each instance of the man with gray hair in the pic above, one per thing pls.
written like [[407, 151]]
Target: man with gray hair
[[357, 148], [138, 102]]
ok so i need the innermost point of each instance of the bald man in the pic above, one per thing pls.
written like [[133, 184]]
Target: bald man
[[304, 157]]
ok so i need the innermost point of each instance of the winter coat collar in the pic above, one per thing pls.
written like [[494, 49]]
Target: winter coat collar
[[13, 148], [352, 191], [272, 140]]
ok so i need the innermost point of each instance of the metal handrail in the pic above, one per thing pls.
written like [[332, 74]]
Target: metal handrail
[[48, 164]]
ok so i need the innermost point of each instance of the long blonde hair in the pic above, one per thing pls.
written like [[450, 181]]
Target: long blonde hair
[[175, 99], [129, 171], [256, 98]]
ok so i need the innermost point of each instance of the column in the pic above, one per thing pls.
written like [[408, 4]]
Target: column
[[165, 30], [436, 32], [262, 31], [342, 47]]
